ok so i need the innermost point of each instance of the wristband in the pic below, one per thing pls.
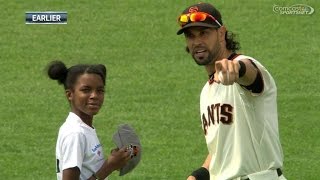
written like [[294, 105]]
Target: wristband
[[242, 69], [201, 174]]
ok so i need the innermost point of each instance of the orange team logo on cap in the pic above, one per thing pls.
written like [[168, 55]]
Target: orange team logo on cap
[[193, 9]]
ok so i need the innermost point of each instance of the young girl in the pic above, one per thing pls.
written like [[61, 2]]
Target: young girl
[[78, 150]]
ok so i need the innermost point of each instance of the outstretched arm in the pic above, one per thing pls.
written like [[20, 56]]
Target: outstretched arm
[[228, 72]]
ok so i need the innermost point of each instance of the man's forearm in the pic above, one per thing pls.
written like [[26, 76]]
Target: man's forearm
[[206, 163]]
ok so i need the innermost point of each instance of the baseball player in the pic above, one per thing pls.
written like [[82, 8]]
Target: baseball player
[[238, 107], [79, 153]]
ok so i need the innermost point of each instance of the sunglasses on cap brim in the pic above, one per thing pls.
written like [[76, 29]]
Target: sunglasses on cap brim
[[195, 17]]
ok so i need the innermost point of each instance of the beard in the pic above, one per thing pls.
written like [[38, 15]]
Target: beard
[[203, 60], [206, 56]]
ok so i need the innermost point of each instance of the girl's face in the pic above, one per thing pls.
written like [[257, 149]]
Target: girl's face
[[87, 95]]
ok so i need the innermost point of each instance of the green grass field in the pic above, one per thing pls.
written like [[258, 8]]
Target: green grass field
[[152, 84]]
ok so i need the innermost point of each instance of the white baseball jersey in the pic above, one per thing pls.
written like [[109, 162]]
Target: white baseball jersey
[[78, 146], [241, 127]]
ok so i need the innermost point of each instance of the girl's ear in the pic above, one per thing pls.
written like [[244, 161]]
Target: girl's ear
[[69, 94]]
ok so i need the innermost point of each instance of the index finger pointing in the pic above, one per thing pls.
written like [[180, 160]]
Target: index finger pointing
[[221, 65], [218, 66]]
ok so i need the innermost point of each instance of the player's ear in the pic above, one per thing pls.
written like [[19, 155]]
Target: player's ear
[[222, 33]]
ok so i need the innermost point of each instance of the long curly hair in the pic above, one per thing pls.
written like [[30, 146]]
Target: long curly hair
[[231, 43]]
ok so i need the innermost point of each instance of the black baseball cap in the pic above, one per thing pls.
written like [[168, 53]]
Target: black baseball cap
[[208, 22]]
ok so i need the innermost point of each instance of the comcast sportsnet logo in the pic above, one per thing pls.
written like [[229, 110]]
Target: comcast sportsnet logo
[[296, 9]]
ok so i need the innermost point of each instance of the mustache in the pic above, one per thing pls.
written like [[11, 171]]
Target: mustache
[[197, 48], [188, 50]]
